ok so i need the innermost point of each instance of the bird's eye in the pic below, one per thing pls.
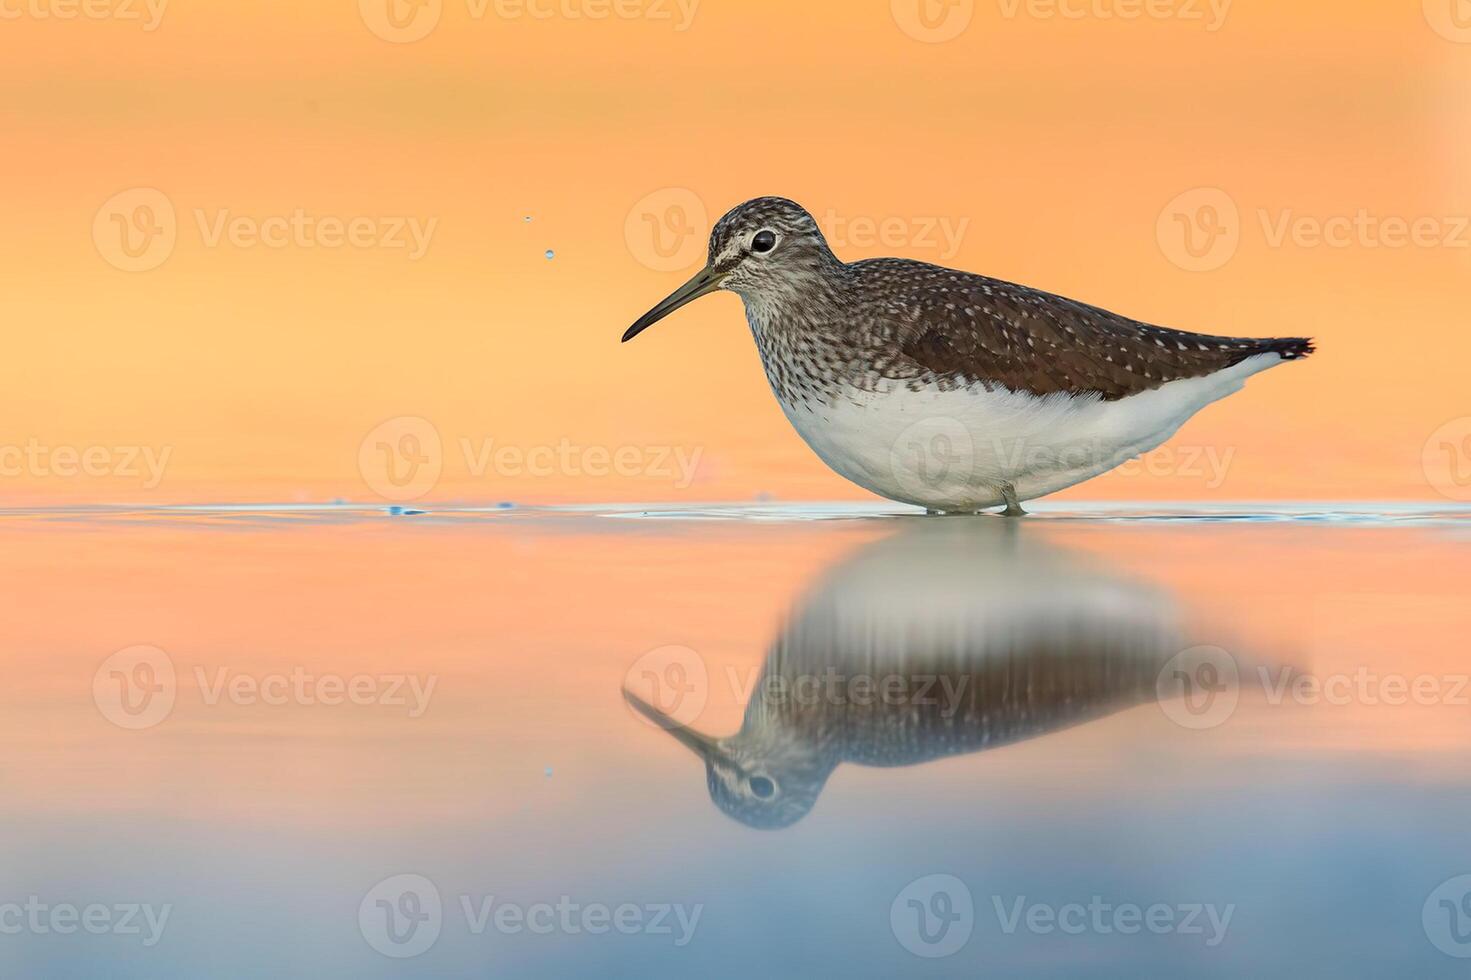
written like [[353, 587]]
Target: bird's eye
[[762, 787], [764, 242]]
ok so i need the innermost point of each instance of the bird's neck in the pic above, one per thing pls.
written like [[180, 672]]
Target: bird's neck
[[800, 335]]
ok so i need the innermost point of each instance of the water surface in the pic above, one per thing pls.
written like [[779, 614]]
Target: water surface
[[736, 740]]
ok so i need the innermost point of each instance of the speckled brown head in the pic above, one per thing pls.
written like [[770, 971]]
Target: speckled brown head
[[766, 246]]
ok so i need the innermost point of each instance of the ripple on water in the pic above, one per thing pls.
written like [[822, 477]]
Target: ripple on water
[[1334, 514]]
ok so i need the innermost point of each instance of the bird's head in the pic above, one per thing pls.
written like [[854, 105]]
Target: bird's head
[[757, 777], [763, 248]]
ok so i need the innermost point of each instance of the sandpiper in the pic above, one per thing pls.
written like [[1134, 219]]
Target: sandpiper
[[950, 390], [933, 643]]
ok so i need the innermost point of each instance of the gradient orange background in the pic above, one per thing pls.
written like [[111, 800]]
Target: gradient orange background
[[1058, 141]]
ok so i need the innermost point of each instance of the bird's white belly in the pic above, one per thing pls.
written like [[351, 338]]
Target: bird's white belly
[[953, 450]]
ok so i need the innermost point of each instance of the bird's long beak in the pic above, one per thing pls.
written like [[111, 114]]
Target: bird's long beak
[[704, 746], [705, 282]]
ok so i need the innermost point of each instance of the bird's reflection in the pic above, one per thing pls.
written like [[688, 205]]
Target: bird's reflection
[[949, 637]]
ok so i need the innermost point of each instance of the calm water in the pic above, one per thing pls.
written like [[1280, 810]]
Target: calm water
[[724, 741]]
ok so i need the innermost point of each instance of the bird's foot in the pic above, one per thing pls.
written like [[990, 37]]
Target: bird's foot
[[1013, 504]]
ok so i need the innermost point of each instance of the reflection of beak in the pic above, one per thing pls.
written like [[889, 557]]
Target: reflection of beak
[[704, 282], [704, 746]]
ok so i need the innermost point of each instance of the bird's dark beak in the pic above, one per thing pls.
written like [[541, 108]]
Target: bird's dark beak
[[704, 746], [705, 282]]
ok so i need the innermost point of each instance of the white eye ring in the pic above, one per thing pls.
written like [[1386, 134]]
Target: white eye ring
[[764, 241], [763, 787]]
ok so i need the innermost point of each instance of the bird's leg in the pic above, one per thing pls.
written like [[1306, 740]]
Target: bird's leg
[[1013, 505]]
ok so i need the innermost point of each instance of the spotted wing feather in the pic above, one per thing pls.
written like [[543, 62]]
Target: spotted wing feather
[[963, 329]]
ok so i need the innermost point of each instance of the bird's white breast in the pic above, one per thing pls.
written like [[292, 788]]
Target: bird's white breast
[[952, 449]]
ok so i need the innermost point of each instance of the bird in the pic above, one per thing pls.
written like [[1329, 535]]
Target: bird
[[948, 390], [936, 641]]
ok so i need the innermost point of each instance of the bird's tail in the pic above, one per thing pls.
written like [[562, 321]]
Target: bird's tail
[[1290, 348]]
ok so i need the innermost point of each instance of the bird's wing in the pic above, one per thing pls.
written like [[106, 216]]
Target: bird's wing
[[968, 329]]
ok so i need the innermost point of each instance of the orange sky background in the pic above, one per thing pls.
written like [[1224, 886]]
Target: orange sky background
[[1052, 147]]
